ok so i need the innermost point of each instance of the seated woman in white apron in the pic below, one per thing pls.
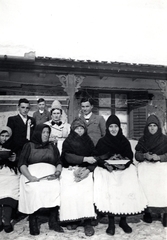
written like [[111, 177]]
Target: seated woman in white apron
[[77, 181], [40, 166], [117, 191], [59, 126], [9, 181], [151, 153]]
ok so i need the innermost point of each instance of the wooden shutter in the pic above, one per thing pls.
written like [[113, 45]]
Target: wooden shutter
[[138, 113], [139, 121]]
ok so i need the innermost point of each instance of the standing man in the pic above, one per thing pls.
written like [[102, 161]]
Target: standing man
[[42, 115], [95, 123], [22, 126]]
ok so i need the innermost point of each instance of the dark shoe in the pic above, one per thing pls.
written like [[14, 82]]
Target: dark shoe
[[33, 225], [89, 230], [1, 227], [56, 227], [123, 224], [110, 230], [72, 226], [164, 220], [147, 218], [8, 228]]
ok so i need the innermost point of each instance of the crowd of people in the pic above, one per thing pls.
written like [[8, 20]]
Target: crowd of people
[[81, 171]]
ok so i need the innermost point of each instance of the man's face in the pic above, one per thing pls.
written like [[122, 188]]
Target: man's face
[[86, 108], [41, 105], [24, 109]]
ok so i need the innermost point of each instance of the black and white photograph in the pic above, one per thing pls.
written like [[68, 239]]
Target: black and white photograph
[[83, 119]]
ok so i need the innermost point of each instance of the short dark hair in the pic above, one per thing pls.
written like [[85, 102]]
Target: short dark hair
[[57, 109], [23, 100], [87, 99], [40, 100]]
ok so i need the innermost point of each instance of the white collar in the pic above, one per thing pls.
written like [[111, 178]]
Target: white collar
[[23, 118], [88, 115]]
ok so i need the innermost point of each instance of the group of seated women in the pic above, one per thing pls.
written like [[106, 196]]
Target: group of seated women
[[85, 180]]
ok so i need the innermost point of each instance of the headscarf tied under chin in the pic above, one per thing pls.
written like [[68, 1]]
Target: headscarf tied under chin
[[78, 122], [37, 134], [154, 143], [152, 139], [114, 144], [113, 119], [6, 129]]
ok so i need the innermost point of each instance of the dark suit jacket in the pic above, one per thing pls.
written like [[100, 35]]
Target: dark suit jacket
[[19, 132]]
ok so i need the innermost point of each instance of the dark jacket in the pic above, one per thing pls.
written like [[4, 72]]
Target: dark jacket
[[19, 132], [41, 117]]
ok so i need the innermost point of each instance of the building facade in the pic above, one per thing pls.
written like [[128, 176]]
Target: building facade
[[131, 91]]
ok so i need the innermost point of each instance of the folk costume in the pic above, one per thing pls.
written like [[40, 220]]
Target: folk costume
[[77, 180], [153, 174], [42, 159], [117, 192], [60, 129], [9, 185]]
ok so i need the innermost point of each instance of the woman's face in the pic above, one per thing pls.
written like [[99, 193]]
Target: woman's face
[[113, 129], [4, 137], [45, 135], [80, 130], [153, 128], [56, 115]]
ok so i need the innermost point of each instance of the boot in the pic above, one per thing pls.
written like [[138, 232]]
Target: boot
[[123, 224], [164, 220], [7, 213], [88, 229], [111, 226], [53, 220], [147, 217], [33, 224]]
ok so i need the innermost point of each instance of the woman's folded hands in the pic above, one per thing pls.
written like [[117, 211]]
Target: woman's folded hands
[[80, 173]]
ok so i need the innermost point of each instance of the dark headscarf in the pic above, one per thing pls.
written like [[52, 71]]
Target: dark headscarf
[[37, 134], [78, 122], [153, 143], [7, 145], [111, 145], [75, 144]]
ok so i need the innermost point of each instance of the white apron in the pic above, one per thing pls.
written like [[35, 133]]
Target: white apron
[[118, 192], [153, 177], [42, 194], [9, 183], [76, 197]]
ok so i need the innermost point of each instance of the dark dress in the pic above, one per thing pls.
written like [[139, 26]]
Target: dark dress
[[153, 174], [79, 193], [9, 181], [117, 192], [41, 160]]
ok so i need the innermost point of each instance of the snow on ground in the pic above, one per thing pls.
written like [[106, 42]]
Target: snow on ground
[[141, 231]]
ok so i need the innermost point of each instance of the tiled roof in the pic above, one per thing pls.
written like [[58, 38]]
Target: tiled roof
[[85, 67]]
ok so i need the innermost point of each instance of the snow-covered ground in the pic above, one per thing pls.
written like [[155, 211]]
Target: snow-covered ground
[[141, 231]]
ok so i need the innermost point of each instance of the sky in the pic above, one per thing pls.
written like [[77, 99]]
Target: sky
[[132, 31]]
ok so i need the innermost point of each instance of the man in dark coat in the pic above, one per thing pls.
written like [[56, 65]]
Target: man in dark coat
[[22, 126]]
